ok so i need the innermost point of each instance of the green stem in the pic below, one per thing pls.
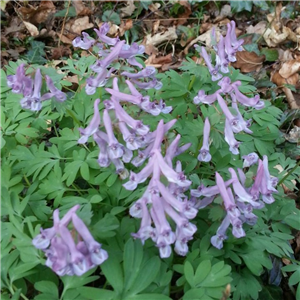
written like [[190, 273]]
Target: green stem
[[192, 82], [73, 117], [13, 292], [77, 190], [26, 179], [289, 173]]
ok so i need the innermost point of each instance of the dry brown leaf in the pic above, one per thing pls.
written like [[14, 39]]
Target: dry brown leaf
[[128, 10], [285, 55], [64, 39], [31, 28], [74, 27], [81, 9], [280, 81], [289, 68], [16, 25], [259, 28], [60, 52], [38, 15], [187, 12], [125, 25], [169, 34], [248, 61]]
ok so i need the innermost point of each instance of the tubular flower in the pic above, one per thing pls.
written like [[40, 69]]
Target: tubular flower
[[204, 154], [160, 201], [65, 254]]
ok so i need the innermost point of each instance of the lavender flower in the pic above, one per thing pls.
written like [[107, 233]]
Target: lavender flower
[[250, 159], [92, 127], [64, 256], [86, 43], [54, 92], [204, 154], [102, 35]]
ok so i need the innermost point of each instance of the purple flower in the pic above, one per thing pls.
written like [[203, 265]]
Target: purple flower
[[214, 72], [250, 159], [242, 123], [204, 154], [92, 127], [113, 55], [98, 255], [153, 84], [233, 121], [221, 59], [240, 191], [206, 99], [230, 140], [54, 91], [86, 43], [129, 52], [115, 149], [16, 82], [147, 72], [64, 256], [32, 100], [217, 240], [244, 100], [102, 35]]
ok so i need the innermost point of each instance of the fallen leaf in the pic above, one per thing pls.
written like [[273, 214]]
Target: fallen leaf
[[64, 39], [281, 82], [182, 18], [259, 28], [128, 10], [74, 27], [289, 68], [60, 52], [248, 61], [38, 15], [16, 25], [125, 25], [31, 28], [169, 34], [80, 8]]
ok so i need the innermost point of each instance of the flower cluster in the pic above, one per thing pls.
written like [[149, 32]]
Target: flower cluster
[[119, 50], [160, 201], [66, 255], [135, 134], [234, 123], [226, 50], [239, 201], [31, 89]]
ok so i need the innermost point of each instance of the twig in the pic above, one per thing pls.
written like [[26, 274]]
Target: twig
[[64, 21]]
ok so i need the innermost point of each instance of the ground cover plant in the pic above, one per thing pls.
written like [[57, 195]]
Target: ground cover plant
[[139, 184]]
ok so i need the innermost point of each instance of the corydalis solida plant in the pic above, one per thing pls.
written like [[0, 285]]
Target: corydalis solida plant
[[157, 209]]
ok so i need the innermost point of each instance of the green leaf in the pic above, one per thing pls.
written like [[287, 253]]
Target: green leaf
[[97, 294], [132, 257], [238, 6], [63, 13], [113, 272], [37, 53], [47, 287], [189, 273], [202, 271], [111, 16], [293, 220], [148, 297], [271, 292], [270, 54], [85, 171]]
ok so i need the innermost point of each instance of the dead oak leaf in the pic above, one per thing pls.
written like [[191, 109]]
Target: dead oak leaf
[[248, 61], [169, 34], [31, 28], [289, 68], [128, 10], [37, 15], [80, 8]]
